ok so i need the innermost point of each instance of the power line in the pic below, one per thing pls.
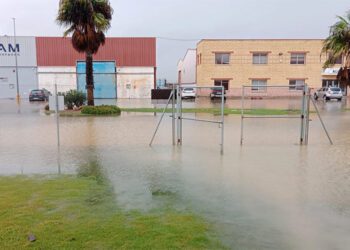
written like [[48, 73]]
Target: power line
[[178, 39]]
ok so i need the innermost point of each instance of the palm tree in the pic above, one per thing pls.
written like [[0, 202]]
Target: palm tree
[[86, 20], [337, 44]]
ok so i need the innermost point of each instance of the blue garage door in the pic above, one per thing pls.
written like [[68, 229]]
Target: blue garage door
[[104, 79]]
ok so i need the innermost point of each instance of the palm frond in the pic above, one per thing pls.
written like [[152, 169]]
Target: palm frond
[[337, 44], [86, 20]]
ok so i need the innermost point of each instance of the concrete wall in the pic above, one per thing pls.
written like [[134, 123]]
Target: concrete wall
[[186, 68], [241, 70], [64, 77], [135, 82]]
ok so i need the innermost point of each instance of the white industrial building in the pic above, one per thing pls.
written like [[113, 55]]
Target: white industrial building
[[186, 68]]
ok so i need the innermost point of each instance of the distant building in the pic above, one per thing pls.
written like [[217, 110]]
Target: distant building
[[27, 66], [186, 68], [161, 83], [293, 62], [123, 67]]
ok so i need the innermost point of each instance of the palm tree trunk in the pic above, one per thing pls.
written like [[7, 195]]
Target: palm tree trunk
[[89, 79]]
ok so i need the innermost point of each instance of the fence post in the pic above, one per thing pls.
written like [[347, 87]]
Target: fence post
[[242, 114], [222, 118], [307, 116], [302, 127], [173, 115], [58, 131], [179, 115], [57, 117]]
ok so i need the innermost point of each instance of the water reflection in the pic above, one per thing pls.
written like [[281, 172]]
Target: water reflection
[[92, 169]]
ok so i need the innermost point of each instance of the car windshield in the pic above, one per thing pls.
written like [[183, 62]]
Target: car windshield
[[335, 89], [188, 89], [37, 91]]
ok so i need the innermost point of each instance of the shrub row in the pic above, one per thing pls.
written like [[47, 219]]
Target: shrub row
[[101, 110]]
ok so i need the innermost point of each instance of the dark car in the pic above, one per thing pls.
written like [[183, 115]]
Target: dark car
[[39, 95], [217, 93]]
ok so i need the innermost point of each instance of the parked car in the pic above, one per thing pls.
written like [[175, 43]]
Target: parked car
[[188, 93], [39, 95], [217, 93], [328, 93]]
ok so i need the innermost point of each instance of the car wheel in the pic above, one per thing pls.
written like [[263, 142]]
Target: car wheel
[[315, 97], [339, 99], [325, 98]]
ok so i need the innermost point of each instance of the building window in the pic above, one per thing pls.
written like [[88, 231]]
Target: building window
[[297, 58], [222, 58], [259, 85], [199, 59], [330, 83], [259, 58], [296, 84], [222, 83], [338, 60]]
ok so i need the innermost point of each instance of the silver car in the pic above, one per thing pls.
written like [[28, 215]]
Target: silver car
[[328, 93]]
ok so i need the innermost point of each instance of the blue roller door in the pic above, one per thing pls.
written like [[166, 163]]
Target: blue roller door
[[104, 79]]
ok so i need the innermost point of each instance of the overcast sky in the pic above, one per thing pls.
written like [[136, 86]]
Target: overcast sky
[[187, 19]]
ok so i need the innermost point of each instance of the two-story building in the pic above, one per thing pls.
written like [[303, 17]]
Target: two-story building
[[258, 63]]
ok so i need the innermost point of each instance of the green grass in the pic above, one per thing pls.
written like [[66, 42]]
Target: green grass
[[216, 111], [80, 213]]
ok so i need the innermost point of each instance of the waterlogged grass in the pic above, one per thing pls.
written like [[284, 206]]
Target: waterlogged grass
[[213, 111], [80, 213], [217, 111]]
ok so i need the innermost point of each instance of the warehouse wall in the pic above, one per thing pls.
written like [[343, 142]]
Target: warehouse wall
[[27, 80], [135, 82], [64, 77], [26, 51], [27, 66]]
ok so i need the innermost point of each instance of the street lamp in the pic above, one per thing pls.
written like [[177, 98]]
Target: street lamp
[[16, 62]]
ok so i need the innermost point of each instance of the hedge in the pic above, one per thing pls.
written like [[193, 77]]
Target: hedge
[[101, 110]]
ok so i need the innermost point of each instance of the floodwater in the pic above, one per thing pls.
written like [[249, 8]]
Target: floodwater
[[271, 193]]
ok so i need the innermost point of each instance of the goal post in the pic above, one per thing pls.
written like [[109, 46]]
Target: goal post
[[303, 91], [175, 99]]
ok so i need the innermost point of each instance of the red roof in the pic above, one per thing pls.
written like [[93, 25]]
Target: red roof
[[58, 51]]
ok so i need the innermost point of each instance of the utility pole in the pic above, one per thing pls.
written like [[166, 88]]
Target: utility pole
[[16, 61]]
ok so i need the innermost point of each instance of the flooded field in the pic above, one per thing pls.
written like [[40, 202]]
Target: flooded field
[[270, 193]]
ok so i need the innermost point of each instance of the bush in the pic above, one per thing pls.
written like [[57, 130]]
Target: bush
[[101, 110], [74, 98]]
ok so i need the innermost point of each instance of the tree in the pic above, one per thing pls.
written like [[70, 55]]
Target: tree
[[86, 20], [337, 44]]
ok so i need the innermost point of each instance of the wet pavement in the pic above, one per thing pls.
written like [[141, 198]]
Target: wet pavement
[[269, 194]]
